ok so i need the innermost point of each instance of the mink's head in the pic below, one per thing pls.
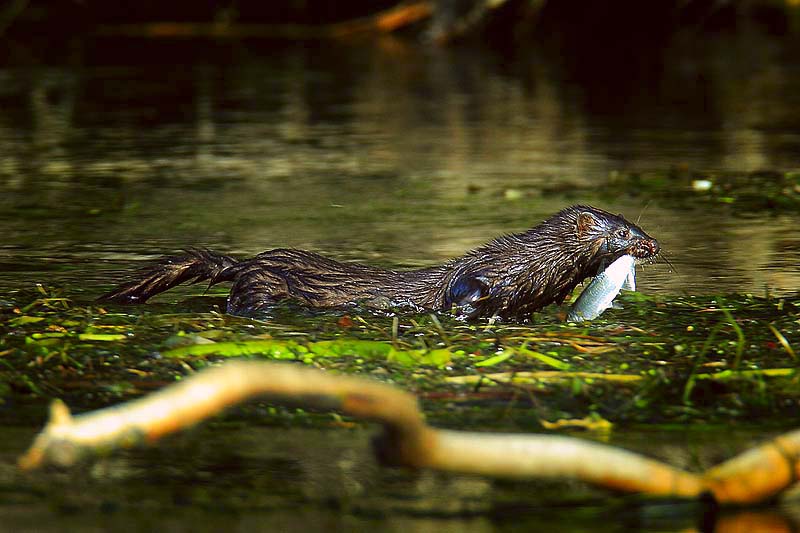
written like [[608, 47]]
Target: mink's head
[[611, 236]]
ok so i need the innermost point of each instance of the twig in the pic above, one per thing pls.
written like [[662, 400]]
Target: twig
[[390, 20]]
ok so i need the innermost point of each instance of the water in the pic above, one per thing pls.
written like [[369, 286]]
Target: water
[[393, 153], [396, 154], [227, 476]]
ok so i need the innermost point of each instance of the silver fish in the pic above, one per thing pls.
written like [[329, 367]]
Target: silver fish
[[600, 293]]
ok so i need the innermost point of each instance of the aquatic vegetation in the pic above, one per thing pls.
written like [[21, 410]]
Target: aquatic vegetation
[[747, 191], [697, 359]]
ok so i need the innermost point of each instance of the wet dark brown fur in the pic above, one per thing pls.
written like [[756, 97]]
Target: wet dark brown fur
[[509, 277]]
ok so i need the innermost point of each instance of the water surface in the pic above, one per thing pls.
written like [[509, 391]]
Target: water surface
[[393, 153], [397, 154]]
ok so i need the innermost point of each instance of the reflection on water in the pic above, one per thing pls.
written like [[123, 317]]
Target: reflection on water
[[396, 154], [261, 478]]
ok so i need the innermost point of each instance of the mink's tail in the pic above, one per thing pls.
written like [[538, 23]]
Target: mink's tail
[[195, 265]]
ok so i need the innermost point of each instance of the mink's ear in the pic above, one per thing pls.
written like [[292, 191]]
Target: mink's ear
[[586, 222]]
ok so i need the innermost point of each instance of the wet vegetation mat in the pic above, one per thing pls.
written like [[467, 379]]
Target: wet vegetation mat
[[698, 360], [747, 192]]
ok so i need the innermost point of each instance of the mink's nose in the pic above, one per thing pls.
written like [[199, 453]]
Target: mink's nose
[[646, 248], [652, 247]]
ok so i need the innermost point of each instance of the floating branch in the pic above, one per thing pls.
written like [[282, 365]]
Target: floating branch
[[755, 476]]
